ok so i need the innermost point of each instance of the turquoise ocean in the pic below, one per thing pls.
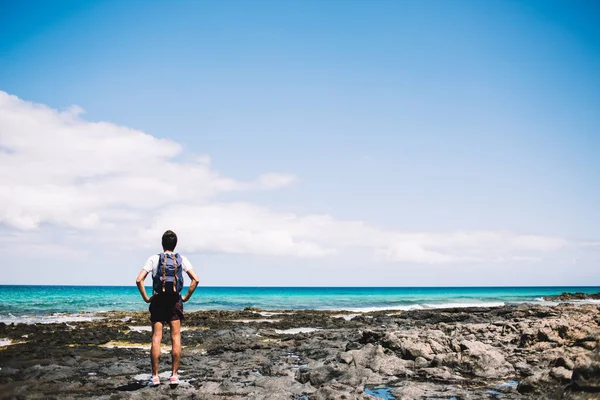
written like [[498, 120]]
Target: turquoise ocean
[[35, 304]]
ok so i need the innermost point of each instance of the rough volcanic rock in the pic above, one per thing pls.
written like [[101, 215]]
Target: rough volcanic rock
[[483, 360], [469, 353], [586, 377]]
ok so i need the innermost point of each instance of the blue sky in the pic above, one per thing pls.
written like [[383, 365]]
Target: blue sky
[[420, 121]]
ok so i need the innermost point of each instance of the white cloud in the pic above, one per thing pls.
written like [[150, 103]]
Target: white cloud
[[113, 183], [276, 180], [58, 168], [590, 244], [249, 229]]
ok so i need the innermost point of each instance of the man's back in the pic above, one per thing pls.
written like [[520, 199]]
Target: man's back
[[166, 302]]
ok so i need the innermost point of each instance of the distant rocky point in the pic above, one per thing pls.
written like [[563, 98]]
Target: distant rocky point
[[565, 296]]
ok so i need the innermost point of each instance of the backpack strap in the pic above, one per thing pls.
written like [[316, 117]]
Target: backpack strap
[[175, 277], [164, 271]]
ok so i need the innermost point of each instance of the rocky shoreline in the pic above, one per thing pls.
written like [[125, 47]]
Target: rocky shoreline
[[565, 296], [510, 352]]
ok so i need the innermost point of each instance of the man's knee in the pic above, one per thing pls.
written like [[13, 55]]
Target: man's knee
[[157, 336], [176, 338]]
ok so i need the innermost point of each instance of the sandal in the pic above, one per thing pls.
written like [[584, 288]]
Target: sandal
[[154, 381], [174, 380]]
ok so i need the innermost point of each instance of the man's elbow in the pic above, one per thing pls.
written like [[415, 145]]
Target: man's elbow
[[138, 281], [195, 281]]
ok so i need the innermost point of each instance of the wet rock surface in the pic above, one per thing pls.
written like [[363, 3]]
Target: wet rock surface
[[511, 352], [573, 296]]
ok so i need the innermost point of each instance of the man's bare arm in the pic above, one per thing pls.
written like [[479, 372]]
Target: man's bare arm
[[140, 285], [193, 285]]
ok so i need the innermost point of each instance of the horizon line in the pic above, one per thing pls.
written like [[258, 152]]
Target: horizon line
[[332, 287]]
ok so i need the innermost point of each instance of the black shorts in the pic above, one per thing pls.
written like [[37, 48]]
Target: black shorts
[[166, 307]]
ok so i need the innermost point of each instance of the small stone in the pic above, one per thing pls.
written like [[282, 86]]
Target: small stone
[[353, 346], [421, 362], [589, 345], [564, 362], [561, 373]]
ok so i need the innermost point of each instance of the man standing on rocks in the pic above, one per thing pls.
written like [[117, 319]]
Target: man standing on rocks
[[166, 303]]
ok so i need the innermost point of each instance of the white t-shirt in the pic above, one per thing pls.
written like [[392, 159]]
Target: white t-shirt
[[152, 264]]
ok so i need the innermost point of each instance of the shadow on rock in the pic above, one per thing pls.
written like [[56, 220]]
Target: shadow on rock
[[133, 386]]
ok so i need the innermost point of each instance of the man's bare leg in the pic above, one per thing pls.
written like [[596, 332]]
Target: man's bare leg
[[157, 328], [176, 345]]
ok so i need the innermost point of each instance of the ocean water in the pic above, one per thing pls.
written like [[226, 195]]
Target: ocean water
[[50, 303]]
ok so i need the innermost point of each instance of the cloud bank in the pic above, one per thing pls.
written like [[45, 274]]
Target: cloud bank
[[110, 182]]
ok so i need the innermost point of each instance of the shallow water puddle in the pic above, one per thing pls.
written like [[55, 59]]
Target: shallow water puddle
[[125, 345], [5, 342], [113, 344], [508, 384], [247, 321], [270, 340], [382, 392], [143, 328], [140, 328], [294, 331]]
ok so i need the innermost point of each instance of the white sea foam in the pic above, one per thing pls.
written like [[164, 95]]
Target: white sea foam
[[48, 319], [347, 317], [267, 313], [463, 305], [547, 303], [426, 306], [586, 301], [551, 303], [555, 302], [247, 321], [383, 308]]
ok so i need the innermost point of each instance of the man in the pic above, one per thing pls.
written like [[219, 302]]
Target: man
[[166, 303]]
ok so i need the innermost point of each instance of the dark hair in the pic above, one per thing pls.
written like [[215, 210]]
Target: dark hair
[[169, 241]]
